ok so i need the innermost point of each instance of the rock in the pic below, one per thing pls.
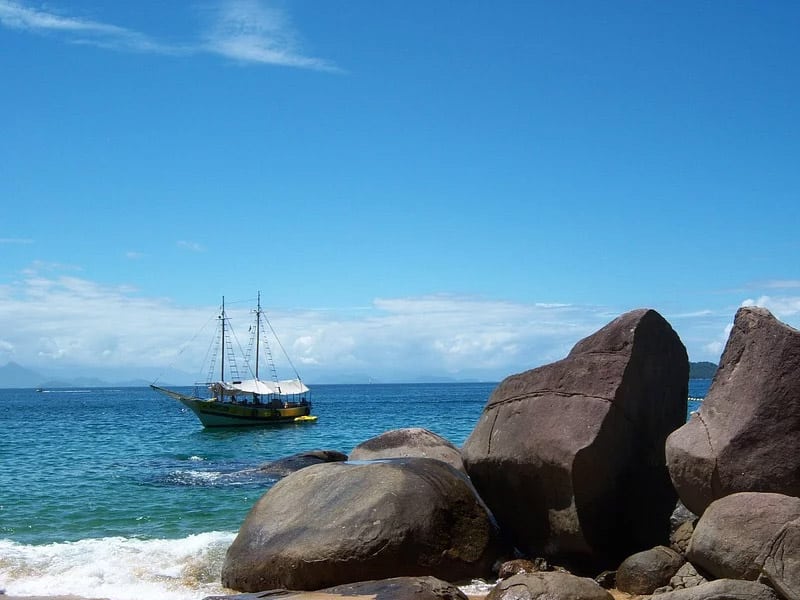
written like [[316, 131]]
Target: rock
[[642, 573], [521, 565], [339, 523], [780, 560], [680, 538], [738, 533], [607, 579], [570, 456], [399, 588], [686, 577], [551, 585], [723, 589], [289, 464], [744, 436], [413, 441], [680, 515]]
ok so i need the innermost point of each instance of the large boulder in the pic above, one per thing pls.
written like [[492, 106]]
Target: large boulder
[[570, 456], [552, 585], [339, 523], [412, 441], [750, 535], [744, 437]]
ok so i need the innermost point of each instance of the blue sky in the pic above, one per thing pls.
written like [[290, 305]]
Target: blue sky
[[459, 189]]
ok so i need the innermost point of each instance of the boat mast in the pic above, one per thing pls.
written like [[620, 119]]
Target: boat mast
[[258, 327], [222, 343]]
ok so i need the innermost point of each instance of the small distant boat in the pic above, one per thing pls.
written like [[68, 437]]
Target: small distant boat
[[39, 390], [236, 401]]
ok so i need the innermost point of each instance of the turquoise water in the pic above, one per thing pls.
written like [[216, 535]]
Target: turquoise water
[[121, 493]]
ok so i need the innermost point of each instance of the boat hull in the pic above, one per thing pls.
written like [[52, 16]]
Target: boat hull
[[213, 413]]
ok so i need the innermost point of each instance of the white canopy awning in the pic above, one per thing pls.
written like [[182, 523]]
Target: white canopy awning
[[287, 387]]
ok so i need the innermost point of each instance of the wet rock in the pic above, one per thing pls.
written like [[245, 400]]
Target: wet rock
[[289, 464], [570, 456], [744, 436], [521, 565]]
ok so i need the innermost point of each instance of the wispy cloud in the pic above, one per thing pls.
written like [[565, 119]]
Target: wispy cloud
[[781, 284], [191, 246], [21, 241], [15, 15], [247, 31], [250, 31]]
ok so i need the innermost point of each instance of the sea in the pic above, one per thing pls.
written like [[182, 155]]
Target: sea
[[120, 493]]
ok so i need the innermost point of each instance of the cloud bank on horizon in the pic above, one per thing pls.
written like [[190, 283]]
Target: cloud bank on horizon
[[241, 30], [55, 321]]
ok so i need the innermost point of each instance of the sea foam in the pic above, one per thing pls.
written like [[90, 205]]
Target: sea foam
[[117, 568]]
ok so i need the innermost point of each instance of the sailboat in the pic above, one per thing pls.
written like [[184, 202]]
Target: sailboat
[[236, 402]]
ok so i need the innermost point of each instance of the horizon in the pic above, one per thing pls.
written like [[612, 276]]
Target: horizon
[[457, 190]]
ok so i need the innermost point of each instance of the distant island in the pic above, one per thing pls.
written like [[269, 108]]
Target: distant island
[[702, 370]]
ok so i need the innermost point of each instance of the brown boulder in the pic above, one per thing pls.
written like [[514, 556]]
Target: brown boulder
[[642, 573], [570, 456], [738, 534], [412, 441], [340, 523], [744, 437], [722, 589], [552, 585]]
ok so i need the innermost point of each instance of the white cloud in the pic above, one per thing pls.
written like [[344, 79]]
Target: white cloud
[[247, 31], [21, 241], [52, 319], [783, 307], [250, 31]]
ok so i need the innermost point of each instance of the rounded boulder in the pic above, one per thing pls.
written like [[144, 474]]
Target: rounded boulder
[[338, 523], [408, 442]]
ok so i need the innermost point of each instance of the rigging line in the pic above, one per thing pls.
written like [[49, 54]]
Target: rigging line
[[183, 348], [239, 345], [286, 354]]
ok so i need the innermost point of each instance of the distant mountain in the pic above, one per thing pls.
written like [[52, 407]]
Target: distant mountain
[[16, 376], [702, 370]]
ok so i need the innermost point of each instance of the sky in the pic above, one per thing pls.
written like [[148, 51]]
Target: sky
[[417, 189]]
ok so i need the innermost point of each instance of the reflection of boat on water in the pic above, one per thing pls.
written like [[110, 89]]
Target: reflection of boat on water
[[237, 401]]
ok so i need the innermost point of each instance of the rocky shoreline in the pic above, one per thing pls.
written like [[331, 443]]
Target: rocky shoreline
[[581, 480], [587, 463]]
